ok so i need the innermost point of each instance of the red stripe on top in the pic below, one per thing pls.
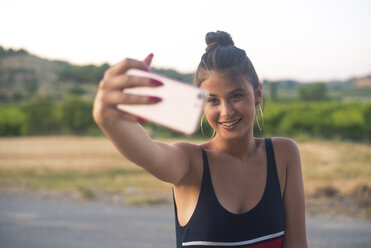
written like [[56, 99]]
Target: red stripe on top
[[272, 244]]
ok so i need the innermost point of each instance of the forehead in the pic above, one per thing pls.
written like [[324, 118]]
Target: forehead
[[220, 83]]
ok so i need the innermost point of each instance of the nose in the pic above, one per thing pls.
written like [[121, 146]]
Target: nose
[[227, 109]]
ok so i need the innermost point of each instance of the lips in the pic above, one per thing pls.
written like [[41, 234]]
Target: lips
[[230, 124]]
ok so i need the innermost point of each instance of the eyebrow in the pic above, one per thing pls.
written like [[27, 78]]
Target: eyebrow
[[233, 91]]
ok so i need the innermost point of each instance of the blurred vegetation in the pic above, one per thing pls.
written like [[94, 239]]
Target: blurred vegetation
[[76, 115], [344, 120], [326, 119], [76, 91], [10, 52], [187, 77], [40, 116], [81, 74], [313, 92], [32, 105]]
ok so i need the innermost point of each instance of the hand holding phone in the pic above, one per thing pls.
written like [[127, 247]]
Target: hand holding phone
[[181, 106]]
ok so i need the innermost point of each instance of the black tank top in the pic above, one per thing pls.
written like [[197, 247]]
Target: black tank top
[[211, 225]]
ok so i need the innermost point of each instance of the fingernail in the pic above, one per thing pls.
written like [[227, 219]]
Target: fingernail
[[154, 99], [148, 61], [141, 120], [155, 82]]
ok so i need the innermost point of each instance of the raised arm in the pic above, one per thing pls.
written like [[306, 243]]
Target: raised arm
[[167, 162]]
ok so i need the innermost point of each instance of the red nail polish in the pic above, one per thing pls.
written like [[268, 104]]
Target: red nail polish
[[155, 82], [141, 120], [154, 99]]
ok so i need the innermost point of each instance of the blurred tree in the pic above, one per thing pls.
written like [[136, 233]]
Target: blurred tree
[[207, 130], [18, 96], [81, 74], [76, 115], [40, 117], [170, 73], [21, 52], [273, 91], [367, 119], [313, 92], [11, 121], [31, 85], [3, 96], [76, 91]]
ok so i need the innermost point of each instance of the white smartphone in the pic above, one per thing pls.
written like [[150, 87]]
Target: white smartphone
[[181, 106]]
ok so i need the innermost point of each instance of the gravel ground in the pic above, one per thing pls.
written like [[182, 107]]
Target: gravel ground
[[61, 222]]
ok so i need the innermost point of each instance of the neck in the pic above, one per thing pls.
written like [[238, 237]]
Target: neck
[[241, 148]]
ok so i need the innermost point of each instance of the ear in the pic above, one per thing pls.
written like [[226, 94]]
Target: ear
[[259, 95]]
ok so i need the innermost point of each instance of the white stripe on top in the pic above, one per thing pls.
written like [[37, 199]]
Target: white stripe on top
[[246, 242]]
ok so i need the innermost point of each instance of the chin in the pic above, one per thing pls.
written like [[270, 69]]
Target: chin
[[228, 135], [237, 133]]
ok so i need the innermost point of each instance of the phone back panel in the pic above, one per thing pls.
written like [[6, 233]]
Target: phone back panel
[[181, 106]]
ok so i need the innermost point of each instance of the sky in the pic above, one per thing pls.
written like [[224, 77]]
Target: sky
[[316, 40]]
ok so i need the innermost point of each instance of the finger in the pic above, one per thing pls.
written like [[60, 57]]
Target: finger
[[117, 97], [120, 114], [129, 117], [127, 81], [111, 115], [132, 118], [148, 59], [125, 65]]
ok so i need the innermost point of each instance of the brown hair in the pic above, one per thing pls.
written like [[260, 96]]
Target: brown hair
[[222, 56]]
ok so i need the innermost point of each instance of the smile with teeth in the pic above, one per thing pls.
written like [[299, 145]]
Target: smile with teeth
[[229, 123]]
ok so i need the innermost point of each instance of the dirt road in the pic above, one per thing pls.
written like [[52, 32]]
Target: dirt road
[[65, 223]]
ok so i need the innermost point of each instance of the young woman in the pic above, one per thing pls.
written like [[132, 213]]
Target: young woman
[[232, 191]]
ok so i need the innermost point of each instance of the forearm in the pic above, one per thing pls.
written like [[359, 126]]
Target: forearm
[[131, 140], [156, 157], [123, 129]]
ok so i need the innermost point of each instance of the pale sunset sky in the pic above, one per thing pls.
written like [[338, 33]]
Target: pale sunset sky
[[285, 39]]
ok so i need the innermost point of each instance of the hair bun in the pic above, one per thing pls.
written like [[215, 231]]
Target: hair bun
[[218, 38]]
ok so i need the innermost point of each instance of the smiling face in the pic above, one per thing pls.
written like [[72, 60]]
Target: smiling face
[[230, 107]]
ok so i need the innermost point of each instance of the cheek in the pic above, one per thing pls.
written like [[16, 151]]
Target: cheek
[[211, 114], [245, 107]]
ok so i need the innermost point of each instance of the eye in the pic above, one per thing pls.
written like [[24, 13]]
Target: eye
[[237, 96], [212, 100]]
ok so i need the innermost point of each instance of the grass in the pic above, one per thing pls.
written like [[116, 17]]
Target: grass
[[342, 165], [46, 178], [92, 165], [89, 166]]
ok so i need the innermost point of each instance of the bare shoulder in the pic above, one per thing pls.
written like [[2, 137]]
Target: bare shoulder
[[285, 146], [186, 147], [190, 151], [286, 152], [193, 154], [287, 157], [284, 142]]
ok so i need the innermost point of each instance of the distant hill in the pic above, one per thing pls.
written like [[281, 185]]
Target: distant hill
[[24, 76]]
